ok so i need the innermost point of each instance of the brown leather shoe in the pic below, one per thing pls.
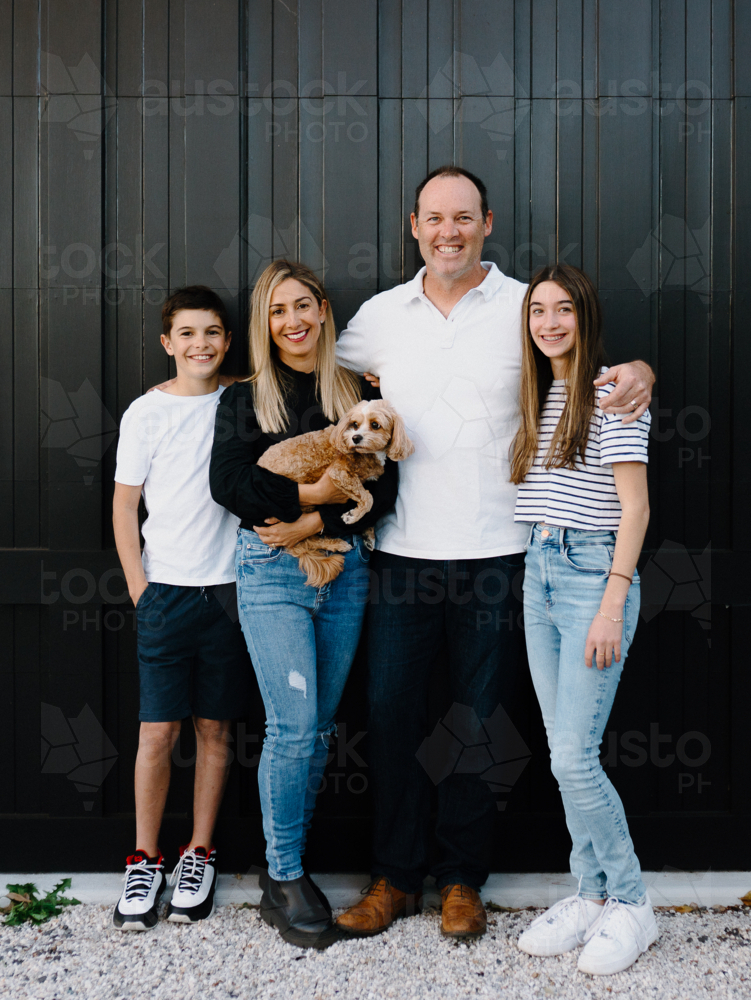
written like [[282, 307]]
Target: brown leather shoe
[[383, 904], [463, 914]]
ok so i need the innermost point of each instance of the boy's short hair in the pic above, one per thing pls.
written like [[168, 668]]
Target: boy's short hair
[[193, 297]]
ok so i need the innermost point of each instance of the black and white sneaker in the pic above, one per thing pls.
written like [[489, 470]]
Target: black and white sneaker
[[136, 909], [194, 879]]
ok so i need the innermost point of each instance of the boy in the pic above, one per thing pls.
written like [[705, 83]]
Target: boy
[[180, 587]]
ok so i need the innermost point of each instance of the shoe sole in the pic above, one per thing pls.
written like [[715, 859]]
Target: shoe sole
[[301, 939], [133, 925], [541, 953], [463, 935], [619, 966], [183, 917], [363, 933]]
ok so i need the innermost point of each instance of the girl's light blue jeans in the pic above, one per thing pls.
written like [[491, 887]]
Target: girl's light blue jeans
[[302, 641], [565, 578]]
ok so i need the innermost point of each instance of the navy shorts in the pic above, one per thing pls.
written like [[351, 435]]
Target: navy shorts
[[192, 657]]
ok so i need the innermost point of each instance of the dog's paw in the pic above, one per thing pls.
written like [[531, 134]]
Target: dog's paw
[[351, 516]]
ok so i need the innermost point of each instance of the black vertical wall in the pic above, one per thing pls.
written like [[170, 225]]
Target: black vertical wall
[[150, 144]]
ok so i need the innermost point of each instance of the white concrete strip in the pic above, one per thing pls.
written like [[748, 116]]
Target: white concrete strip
[[666, 888]]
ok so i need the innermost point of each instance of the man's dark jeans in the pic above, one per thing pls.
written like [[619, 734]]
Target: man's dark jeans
[[472, 608]]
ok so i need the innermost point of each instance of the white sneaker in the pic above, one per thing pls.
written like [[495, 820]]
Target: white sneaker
[[561, 928], [621, 934], [136, 909], [194, 879]]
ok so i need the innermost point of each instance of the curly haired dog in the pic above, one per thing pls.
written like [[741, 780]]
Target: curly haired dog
[[354, 451]]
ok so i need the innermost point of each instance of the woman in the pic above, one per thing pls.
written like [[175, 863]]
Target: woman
[[301, 639], [583, 485]]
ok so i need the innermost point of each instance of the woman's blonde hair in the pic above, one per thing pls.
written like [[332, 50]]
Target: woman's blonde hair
[[584, 363], [337, 388]]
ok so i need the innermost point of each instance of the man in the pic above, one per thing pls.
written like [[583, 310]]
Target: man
[[446, 347]]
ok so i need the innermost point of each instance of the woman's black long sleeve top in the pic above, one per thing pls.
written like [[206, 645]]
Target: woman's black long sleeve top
[[254, 494]]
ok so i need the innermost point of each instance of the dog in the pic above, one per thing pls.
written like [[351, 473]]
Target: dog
[[354, 451]]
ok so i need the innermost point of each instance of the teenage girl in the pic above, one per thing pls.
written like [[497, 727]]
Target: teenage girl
[[583, 486]]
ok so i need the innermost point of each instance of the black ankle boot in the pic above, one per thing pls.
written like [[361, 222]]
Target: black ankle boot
[[296, 910], [318, 891]]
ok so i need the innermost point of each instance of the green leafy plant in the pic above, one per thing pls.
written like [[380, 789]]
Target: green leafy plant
[[25, 905]]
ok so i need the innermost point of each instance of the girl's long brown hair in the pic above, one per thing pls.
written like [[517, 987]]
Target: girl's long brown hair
[[337, 388], [584, 363]]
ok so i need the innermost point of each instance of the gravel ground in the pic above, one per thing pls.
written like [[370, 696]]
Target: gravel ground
[[234, 954]]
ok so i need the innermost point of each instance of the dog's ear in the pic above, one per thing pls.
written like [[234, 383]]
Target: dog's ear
[[337, 433], [400, 446]]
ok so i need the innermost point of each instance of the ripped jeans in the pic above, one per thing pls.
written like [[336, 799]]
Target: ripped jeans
[[302, 641]]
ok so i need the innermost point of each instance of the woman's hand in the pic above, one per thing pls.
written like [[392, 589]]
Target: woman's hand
[[280, 535], [324, 491], [603, 639], [373, 379]]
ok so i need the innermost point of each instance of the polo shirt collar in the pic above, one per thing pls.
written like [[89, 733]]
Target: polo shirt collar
[[487, 288]]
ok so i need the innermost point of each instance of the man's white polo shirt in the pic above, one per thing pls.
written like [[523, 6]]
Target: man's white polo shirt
[[455, 382]]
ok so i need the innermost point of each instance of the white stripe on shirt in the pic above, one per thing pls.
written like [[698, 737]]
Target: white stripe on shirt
[[583, 497]]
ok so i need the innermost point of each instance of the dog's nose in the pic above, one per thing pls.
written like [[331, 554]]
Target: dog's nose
[[356, 438]]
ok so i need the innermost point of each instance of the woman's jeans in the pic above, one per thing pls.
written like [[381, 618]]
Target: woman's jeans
[[565, 578], [302, 641]]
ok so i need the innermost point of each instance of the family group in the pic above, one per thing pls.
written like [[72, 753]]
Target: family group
[[499, 443]]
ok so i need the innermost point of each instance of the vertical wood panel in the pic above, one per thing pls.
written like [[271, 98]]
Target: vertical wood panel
[[6, 183], [8, 732], [624, 43], [445, 62], [486, 36], [125, 73], [741, 43], [6, 422], [741, 302], [543, 185], [722, 43], [129, 233], [543, 52], [259, 50], [415, 76], [350, 177], [71, 32], [26, 49], [390, 48], [350, 46], [6, 47], [211, 61], [27, 630], [625, 156], [391, 212]]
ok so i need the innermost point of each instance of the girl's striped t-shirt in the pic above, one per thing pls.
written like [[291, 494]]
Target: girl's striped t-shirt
[[584, 497]]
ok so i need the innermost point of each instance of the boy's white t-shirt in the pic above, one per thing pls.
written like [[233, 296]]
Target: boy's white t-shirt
[[165, 444]]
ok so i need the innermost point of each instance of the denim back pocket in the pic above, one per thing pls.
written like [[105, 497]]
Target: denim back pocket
[[591, 557]]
